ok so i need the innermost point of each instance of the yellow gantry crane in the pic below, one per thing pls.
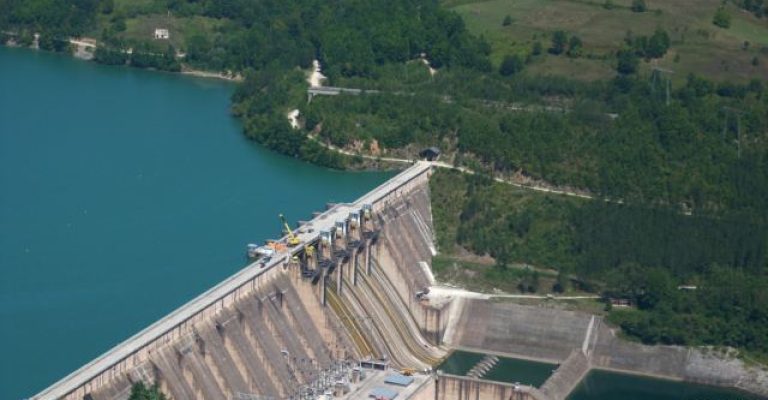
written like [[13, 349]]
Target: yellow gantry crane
[[293, 240]]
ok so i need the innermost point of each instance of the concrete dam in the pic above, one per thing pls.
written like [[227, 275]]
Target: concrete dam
[[293, 326], [346, 313]]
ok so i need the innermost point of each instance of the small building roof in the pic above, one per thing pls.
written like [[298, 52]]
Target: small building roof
[[382, 393], [162, 33], [400, 380]]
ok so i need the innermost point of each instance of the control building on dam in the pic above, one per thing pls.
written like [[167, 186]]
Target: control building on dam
[[346, 310]]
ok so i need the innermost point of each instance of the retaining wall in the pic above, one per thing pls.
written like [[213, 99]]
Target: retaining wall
[[452, 387], [538, 333], [551, 335]]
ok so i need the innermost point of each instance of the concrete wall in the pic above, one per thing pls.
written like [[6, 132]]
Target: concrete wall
[[535, 332], [451, 387], [698, 365]]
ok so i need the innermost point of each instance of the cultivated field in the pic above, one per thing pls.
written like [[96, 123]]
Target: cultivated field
[[697, 45], [142, 17]]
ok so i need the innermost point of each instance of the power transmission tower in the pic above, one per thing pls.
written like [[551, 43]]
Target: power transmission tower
[[738, 114], [657, 72]]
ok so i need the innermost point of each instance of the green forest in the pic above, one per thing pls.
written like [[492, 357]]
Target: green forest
[[679, 166]]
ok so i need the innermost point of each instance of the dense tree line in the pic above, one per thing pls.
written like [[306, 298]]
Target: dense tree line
[[694, 279], [262, 103], [139, 58], [349, 37], [57, 19], [757, 7], [620, 140], [725, 306], [609, 236]]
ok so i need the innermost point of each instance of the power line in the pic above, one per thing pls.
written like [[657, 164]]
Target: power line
[[657, 71], [737, 113]]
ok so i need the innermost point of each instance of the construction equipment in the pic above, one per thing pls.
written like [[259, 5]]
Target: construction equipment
[[293, 240], [256, 251], [276, 246]]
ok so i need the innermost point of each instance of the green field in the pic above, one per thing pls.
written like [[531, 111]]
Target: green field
[[143, 28], [697, 45], [142, 17]]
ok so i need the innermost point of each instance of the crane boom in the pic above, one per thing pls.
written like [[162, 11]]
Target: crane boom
[[293, 240]]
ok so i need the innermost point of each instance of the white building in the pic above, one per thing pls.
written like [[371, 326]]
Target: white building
[[162, 34]]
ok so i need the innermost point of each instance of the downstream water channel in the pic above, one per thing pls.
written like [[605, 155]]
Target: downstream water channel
[[597, 385], [123, 194]]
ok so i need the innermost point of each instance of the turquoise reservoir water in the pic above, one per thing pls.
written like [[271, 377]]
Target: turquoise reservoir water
[[123, 194]]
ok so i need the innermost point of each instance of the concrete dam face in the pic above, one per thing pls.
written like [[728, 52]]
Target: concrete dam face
[[331, 314], [284, 328]]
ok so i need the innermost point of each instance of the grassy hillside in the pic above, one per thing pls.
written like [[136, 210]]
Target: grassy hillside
[[698, 45]]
